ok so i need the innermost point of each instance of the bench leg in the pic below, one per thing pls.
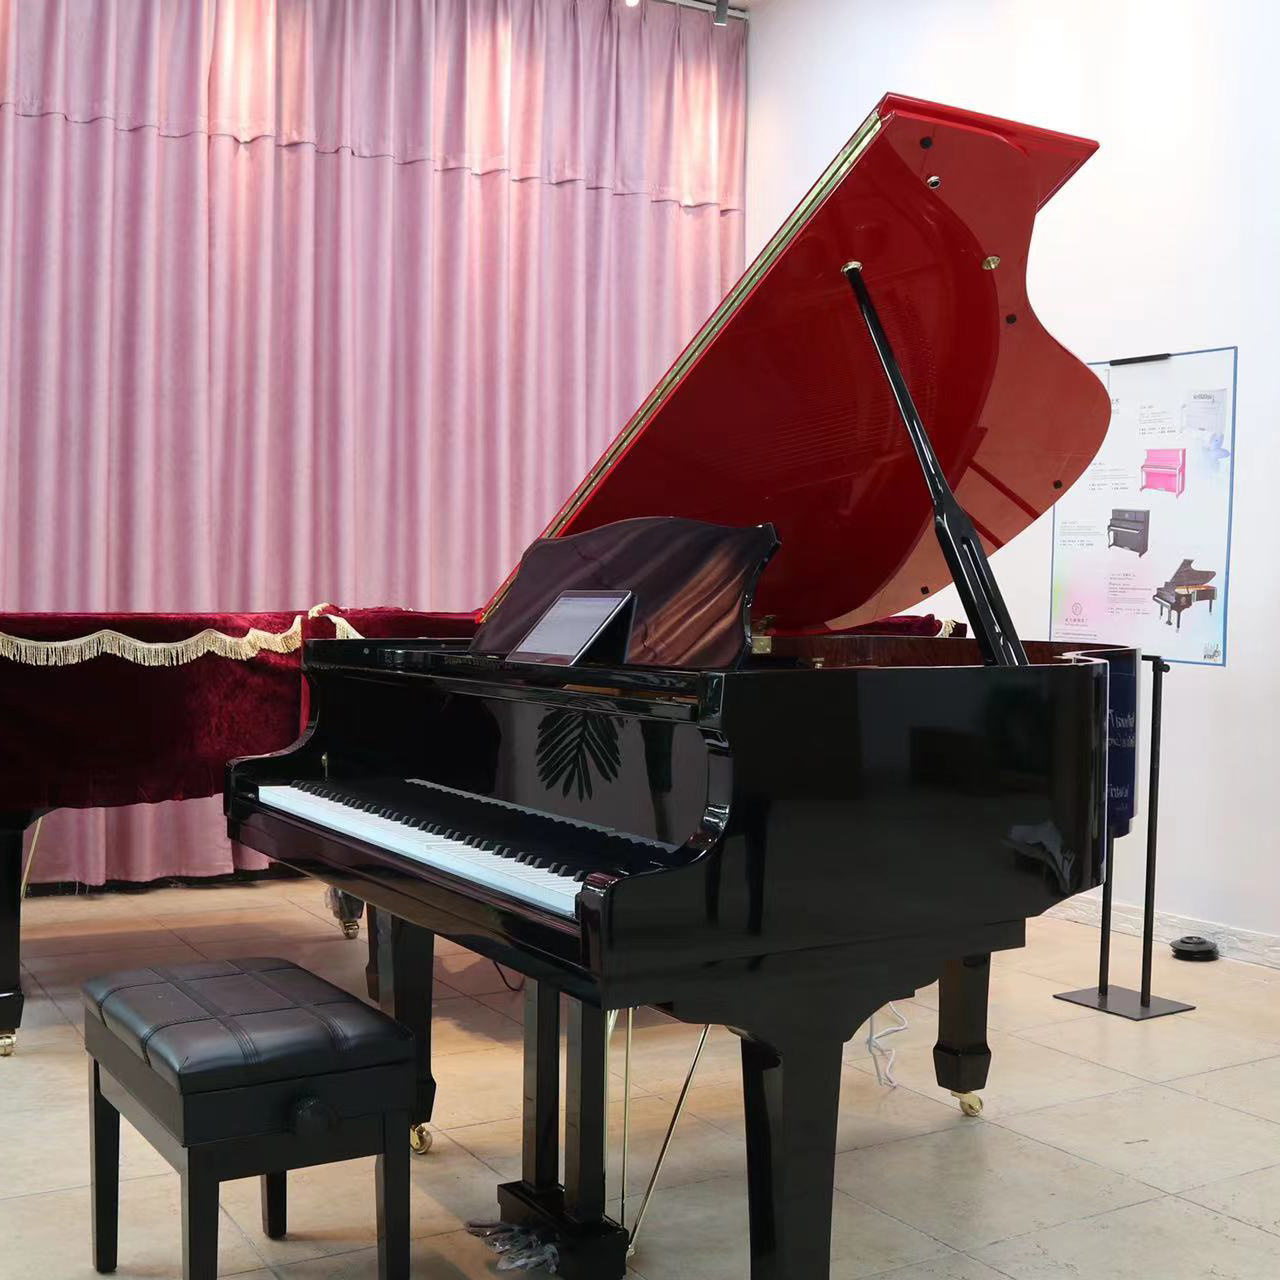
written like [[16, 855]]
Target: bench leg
[[275, 1204], [199, 1223], [393, 1198], [104, 1149]]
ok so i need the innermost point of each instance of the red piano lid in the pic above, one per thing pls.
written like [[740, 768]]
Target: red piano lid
[[778, 410]]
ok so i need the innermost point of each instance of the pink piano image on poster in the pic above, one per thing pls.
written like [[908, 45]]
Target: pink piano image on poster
[[1165, 469]]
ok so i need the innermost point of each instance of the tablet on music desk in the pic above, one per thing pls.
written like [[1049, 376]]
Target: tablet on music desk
[[575, 621]]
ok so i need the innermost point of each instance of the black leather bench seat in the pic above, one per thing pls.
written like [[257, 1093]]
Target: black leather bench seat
[[221, 1024]]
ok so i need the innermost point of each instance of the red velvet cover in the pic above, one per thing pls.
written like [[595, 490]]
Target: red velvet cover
[[111, 732]]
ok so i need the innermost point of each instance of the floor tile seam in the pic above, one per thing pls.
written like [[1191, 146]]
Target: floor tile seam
[[225, 1213], [1093, 1062], [262, 944], [1226, 1106], [1089, 1160], [893, 1217], [1137, 1084], [982, 1262], [908, 1266], [1213, 1182], [1226, 1213], [280, 1269], [1156, 1194], [88, 942], [1249, 1062], [1044, 1026], [79, 1186], [1271, 1041], [320, 911], [25, 976], [636, 1191]]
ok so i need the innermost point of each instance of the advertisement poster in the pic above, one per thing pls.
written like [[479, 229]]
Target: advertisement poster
[[1141, 542]]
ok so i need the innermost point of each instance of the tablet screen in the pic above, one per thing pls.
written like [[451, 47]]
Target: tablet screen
[[569, 626]]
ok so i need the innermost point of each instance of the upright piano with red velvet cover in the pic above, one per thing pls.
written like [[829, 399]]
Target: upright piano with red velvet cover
[[737, 816]]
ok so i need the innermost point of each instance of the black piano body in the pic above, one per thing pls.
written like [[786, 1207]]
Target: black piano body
[[1129, 528], [779, 846]]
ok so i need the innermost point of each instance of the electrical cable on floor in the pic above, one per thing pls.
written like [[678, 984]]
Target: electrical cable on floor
[[519, 985], [881, 1056]]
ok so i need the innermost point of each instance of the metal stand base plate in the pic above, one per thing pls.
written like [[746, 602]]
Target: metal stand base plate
[[1123, 1003]]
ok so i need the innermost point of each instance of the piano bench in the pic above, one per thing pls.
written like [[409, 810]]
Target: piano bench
[[245, 1068]]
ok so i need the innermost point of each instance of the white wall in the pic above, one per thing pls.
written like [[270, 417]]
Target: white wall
[[1167, 240]]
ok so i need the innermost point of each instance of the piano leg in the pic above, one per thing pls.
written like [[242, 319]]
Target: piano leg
[[541, 1142], [371, 967], [592, 1246], [11, 829], [961, 1058], [792, 1101], [585, 1112], [405, 963]]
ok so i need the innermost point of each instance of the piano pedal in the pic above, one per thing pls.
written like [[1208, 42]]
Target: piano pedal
[[970, 1103], [420, 1139], [8, 1042]]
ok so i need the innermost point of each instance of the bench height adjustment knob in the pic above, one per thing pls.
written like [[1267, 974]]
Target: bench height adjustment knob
[[313, 1118]]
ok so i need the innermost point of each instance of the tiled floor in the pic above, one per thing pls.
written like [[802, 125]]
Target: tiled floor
[[1109, 1150]]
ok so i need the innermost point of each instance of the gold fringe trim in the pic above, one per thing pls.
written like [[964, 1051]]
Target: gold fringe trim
[[169, 653], [948, 626], [342, 629]]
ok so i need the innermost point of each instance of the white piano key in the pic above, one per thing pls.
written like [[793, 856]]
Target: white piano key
[[551, 891]]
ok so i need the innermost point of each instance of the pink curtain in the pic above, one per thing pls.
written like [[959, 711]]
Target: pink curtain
[[329, 300]]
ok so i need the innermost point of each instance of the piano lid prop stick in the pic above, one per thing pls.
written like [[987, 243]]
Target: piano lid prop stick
[[979, 593], [626, 1114], [666, 1141]]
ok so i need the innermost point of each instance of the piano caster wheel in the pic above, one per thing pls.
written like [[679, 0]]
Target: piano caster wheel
[[970, 1103], [8, 1040], [350, 929], [420, 1139]]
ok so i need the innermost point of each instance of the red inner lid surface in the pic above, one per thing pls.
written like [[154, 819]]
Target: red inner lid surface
[[779, 409]]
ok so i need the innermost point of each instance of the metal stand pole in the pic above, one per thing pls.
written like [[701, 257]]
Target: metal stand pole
[[1104, 945], [1158, 669], [1122, 1001]]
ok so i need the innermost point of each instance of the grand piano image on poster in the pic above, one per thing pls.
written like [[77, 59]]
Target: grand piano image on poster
[[748, 817], [1188, 586]]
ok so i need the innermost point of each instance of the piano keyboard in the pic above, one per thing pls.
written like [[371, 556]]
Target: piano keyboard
[[402, 818]]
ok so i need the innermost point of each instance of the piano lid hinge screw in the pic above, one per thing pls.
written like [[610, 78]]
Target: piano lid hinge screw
[[933, 182], [991, 263]]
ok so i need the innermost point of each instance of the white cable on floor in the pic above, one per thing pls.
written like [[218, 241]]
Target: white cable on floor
[[884, 1073]]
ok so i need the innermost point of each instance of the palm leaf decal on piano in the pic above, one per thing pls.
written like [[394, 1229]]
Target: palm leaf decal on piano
[[573, 744]]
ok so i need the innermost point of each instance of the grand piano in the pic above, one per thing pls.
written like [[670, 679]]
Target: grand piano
[[1188, 586], [730, 812]]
